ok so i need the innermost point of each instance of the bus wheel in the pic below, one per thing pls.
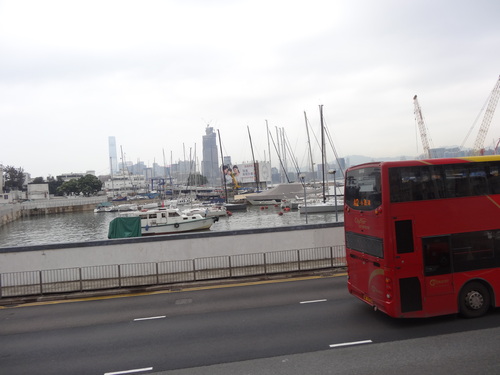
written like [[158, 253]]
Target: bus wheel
[[474, 300]]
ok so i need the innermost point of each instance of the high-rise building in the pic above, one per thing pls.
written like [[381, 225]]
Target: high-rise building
[[113, 160], [210, 162]]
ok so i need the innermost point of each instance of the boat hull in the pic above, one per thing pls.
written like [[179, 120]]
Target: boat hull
[[188, 226]]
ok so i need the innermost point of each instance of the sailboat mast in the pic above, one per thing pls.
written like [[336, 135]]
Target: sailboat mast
[[255, 171], [309, 143], [222, 167], [269, 151], [323, 156]]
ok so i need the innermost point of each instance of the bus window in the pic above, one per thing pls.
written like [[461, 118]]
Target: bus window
[[416, 183], [493, 177], [436, 255], [472, 251], [457, 181], [363, 191]]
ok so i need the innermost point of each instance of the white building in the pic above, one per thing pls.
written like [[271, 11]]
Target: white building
[[38, 191], [123, 184]]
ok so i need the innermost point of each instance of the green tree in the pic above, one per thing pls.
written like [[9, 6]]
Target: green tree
[[14, 178], [69, 187], [89, 185], [196, 179], [54, 184]]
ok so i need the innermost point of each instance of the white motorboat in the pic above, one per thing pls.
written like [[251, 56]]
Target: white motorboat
[[207, 211], [318, 206], [157, 221]]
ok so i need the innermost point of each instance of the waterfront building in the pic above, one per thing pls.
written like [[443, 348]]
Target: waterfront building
[[123, 184], [38, 191], [210, 162]]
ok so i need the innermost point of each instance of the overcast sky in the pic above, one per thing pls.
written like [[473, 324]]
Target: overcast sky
[[155, 73]]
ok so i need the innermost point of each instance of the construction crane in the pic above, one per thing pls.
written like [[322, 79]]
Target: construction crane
[[426, 139], [478, 148]]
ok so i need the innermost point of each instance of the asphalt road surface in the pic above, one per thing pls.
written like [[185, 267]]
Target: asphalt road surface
[[291, 327]]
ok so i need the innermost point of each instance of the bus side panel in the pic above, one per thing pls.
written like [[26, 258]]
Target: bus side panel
[[367, 281]]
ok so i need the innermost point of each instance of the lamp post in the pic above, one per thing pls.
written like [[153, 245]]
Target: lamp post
[[302, 178], [334, 171]]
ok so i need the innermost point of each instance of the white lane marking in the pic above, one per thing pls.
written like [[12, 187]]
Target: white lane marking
[[351, 343], [150, 318], [128, 371], [315, 301]]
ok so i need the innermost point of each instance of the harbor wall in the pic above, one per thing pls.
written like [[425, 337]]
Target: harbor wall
[[9, 212], [170, 247], [13, 211]]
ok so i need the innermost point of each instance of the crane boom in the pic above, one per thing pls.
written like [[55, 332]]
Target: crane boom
[[426, 140], [488, 116]]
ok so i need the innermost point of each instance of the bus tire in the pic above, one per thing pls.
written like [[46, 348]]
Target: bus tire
[[176, 225], [474, 300]]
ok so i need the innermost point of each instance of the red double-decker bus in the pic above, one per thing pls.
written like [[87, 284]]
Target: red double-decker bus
[[423, 237]]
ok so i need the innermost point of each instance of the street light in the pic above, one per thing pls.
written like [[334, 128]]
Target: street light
[[302, 178], [334, 171]]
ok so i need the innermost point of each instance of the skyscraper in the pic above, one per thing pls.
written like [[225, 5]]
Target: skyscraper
[[210, 162], [113, 160]]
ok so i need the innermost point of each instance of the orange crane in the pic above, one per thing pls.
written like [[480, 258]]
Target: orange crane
[[426, 139]]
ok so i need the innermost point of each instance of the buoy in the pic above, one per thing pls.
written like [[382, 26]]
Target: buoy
[[287, 209], [229, 213], [275, 205], [280, 213], [262, 207]]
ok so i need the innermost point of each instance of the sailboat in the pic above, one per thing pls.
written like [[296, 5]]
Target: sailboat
[[326, 204]]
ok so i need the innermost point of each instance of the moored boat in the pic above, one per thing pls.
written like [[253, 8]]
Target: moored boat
[[158, 221], [321, 207], [101, 207], [207, 211]]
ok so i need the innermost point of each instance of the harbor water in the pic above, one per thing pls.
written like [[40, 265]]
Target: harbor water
[[90, 226]]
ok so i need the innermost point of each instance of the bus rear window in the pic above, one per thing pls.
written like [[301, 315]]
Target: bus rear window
[[362, 189]]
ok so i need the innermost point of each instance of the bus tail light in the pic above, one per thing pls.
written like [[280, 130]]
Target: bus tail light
[[378, 210], [388, 287]]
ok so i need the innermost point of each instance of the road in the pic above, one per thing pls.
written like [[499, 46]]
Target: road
[[255, 322]]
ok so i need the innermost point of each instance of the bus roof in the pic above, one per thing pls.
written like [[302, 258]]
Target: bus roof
[[438, 161]]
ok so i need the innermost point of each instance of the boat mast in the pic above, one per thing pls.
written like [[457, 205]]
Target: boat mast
[[309, 143], [222, 167], [323, 156], [279, 157], [255, 171], [269, 151]]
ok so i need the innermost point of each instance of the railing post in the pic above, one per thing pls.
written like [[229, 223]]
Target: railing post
[[230, 267], [1, 289], [298, 258], [119, 276], [265, 264], [157, 273], [81, 279], [40, 281], [194, 269], [331, 256]]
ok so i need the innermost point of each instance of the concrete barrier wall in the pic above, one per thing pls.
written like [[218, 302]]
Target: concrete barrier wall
[[169, 248], [9, 212]]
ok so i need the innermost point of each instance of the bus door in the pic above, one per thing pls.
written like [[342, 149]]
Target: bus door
[[437, 266], [407, 266]]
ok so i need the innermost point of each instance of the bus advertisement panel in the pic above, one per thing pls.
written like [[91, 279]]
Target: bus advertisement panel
[[423, 237]]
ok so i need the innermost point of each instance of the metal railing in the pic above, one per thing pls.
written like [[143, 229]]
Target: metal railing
[[72, 280]]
